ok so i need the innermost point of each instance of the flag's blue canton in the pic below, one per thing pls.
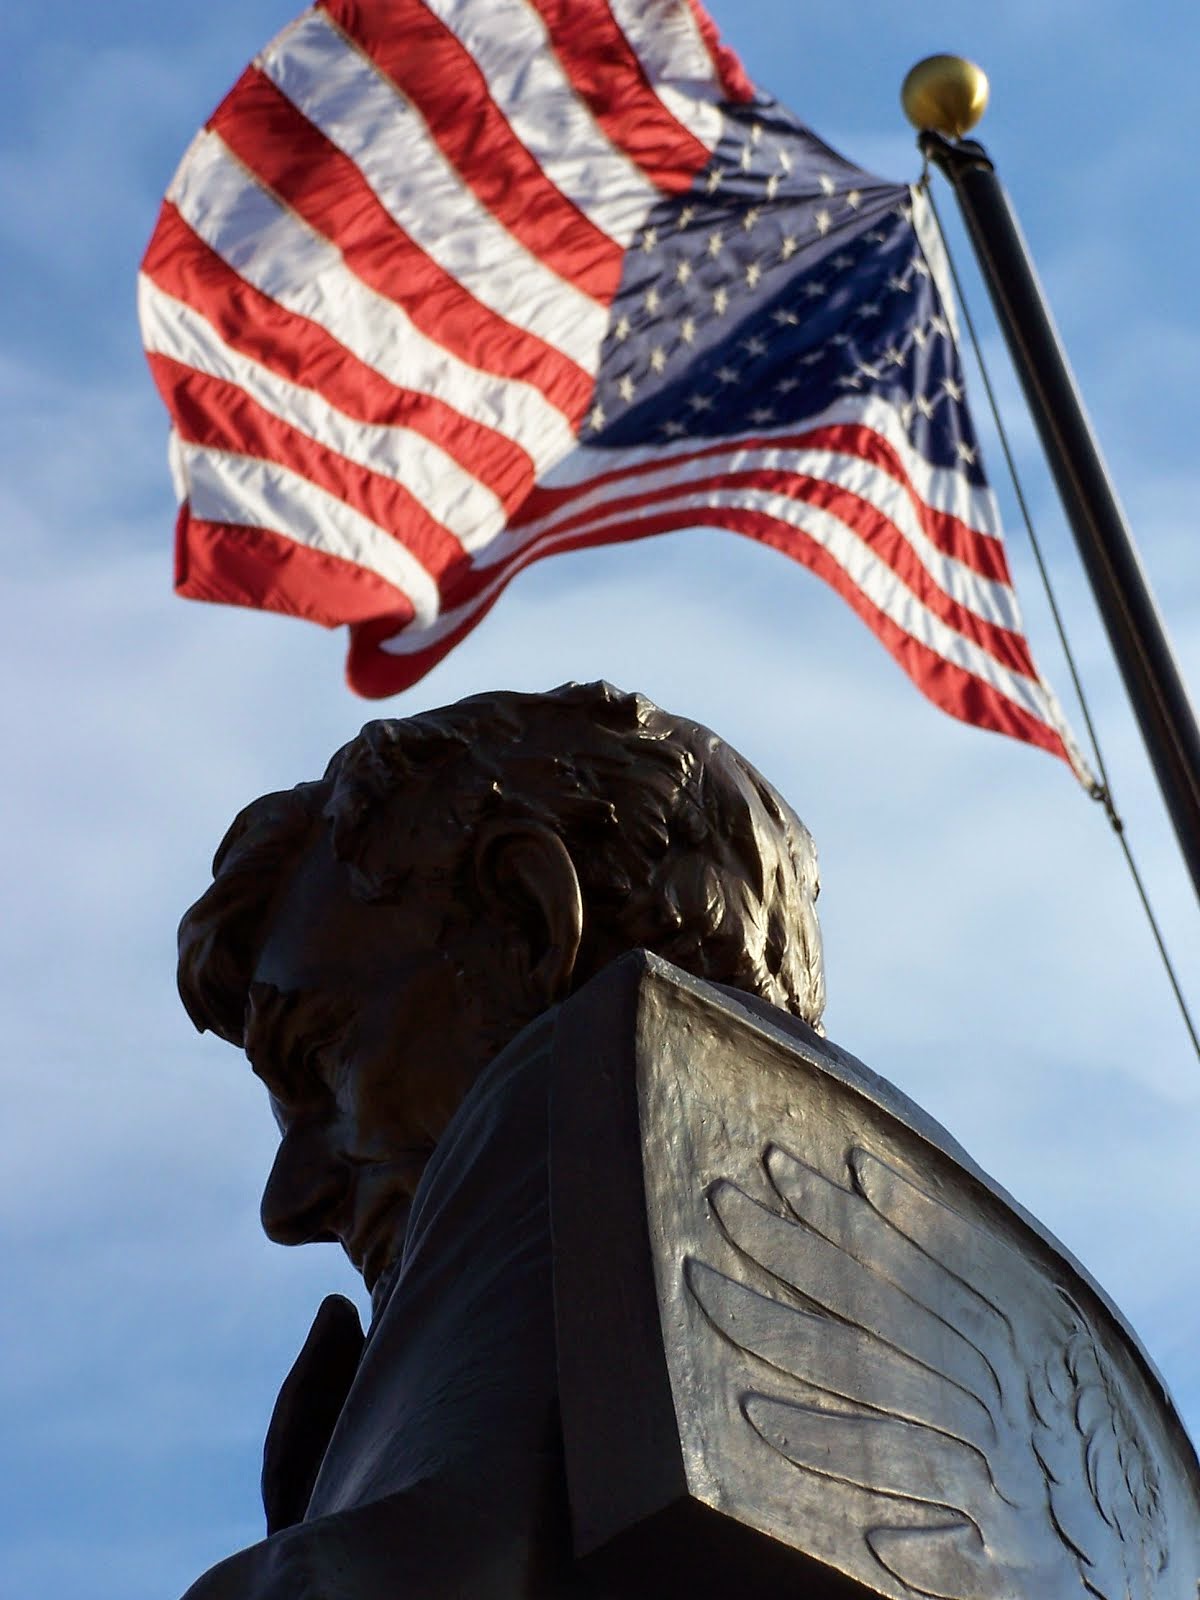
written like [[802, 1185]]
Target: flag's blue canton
[[786, 280]]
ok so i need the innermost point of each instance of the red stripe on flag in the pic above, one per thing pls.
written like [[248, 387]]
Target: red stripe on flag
[[376, 673], [280, 146], [982, 552], [182, 265], [427, 63], [949, 686], [607, 74], [734, 82], [209, 411], [245, 566], [882, 537]]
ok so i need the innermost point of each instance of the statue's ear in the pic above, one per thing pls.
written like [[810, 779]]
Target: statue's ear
[[526, 877]]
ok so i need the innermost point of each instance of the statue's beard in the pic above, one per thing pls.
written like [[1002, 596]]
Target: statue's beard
[[499, 1016], [384, 1284]]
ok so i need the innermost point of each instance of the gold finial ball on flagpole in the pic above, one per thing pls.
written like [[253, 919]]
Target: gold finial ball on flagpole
[[945, 94]]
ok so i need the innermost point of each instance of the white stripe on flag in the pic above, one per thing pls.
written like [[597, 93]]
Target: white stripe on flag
[[512, 47], [941, 488], [873, 577], [994, 602], [877, 581], [223, 487], [666, 39], [278, 253], [450, 494], [176, 465], [933, 248], [342, 93]]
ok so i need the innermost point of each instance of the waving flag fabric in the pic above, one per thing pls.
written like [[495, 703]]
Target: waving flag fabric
[[446, 286]]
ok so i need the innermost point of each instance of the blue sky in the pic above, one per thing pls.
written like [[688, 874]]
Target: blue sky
[[985, 949]]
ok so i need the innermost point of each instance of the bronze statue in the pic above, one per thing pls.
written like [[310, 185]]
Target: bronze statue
[[670, 1296], [375, 939]]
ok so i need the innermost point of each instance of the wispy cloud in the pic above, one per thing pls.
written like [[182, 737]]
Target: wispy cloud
[[985, 951]]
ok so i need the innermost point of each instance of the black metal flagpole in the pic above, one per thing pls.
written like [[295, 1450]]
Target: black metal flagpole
[[944, 98]]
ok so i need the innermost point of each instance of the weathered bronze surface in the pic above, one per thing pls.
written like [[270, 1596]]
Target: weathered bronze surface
[[860, 1346], [669, 1297], [374, 941]]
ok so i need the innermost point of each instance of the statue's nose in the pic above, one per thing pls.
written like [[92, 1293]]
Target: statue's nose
[[306, 1185]]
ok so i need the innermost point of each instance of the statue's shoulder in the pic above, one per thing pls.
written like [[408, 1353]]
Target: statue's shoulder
[[803, 1336]]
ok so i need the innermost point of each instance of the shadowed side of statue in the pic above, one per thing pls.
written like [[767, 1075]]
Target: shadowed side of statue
[[389, 945]]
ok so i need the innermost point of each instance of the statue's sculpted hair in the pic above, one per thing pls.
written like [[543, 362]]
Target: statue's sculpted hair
[[680, 846]]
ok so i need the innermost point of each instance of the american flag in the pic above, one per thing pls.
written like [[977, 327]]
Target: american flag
[[446, 286]]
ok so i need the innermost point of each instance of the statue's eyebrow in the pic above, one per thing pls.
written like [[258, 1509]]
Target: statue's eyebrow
[[281, 1033], [268, 1037]]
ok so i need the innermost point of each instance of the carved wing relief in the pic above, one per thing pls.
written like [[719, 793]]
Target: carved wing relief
[[896, 1346]]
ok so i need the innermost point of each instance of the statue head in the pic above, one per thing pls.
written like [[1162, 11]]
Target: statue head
[[374, 939]]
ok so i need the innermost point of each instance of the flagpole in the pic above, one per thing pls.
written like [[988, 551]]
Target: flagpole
[[944, 97]]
